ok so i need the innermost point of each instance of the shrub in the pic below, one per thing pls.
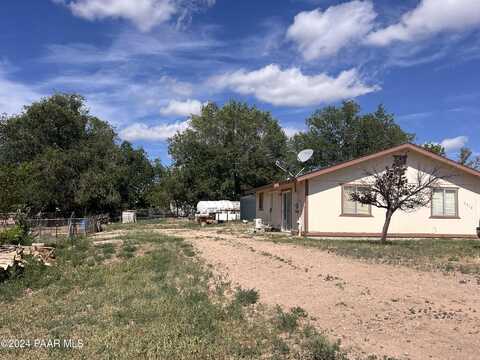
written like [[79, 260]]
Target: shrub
[[246, 297], [320, 348], [14, 236], [280, 346], [286, 321], [128, 250], [299, 312]]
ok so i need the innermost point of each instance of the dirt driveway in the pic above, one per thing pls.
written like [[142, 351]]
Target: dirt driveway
[[372, 308]]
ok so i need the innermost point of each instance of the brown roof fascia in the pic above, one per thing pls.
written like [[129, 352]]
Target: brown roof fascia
[[407, 146], [272, 186]]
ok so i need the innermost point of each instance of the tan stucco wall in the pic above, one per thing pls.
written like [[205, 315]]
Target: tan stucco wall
[[271, 213], [324, 202], [274, 217]]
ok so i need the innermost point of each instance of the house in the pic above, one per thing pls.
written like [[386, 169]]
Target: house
[[318, 203]]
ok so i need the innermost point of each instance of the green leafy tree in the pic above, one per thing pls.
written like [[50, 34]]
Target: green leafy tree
[[435, 148], [136, 176], [341, 133], [73, 159], [226, 151], [14, 180], [159, 195], [177, 191]]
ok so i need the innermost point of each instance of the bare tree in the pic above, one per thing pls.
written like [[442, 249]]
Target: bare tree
[[465, 158], [390, 190]]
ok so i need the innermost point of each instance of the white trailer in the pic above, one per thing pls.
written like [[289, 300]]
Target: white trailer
[[218, 211]]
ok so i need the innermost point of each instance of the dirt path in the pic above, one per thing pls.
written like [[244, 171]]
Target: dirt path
[[374, 309]]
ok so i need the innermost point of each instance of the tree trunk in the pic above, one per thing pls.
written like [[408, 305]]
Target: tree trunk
[[388, 217]]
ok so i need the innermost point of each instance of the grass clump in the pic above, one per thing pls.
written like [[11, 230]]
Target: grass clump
[[423, 254], [187, 249], [289, 321], [246, 297], [321, 349], [128, 250]]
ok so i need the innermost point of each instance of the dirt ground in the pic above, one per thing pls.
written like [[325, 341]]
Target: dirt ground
[[374, 309]]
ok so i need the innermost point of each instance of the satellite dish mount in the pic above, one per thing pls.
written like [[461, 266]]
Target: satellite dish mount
[[302, 157]]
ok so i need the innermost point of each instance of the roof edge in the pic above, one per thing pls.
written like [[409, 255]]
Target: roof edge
[[406, 146], [378, 154]]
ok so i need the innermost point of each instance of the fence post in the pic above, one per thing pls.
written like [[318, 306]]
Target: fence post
[[71, 227]]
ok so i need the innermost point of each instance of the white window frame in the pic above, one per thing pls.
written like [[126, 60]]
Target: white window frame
[[444, 189], [356, 213]]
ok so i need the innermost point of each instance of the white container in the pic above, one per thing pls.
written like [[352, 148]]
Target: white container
[[258, 224], [129, 216]]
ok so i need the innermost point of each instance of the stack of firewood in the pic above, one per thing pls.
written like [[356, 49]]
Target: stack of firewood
[[45, 254], [12, 256]]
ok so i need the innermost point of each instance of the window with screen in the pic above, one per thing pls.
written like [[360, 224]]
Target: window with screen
[[354, 208], [445, 202]]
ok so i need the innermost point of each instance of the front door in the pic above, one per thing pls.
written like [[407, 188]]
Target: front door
[[287, 211]]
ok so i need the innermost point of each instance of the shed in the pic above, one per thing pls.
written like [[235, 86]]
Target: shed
[[247, 207]]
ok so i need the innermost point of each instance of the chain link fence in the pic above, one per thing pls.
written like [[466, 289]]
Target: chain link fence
[[67, 227]]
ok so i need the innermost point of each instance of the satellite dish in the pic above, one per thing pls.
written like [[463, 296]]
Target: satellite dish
[[304, 155]]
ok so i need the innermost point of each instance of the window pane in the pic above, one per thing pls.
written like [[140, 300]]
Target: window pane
[[450, 203], [348, 205], [363, 209], [437, 202]]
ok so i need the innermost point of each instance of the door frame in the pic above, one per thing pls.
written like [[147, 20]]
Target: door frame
[[284, 193]]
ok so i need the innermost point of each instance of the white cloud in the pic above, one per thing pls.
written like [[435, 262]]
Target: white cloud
[[140, 131], [15, 95], [415, 116], [118, 95], [452, 144], [428, 18], [145, 14], [164, 45], [183, 108], [291, 87], [321, 34]]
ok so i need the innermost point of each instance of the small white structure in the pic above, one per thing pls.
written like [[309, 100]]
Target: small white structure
[[129, 216], [222, 210], [258, 224]]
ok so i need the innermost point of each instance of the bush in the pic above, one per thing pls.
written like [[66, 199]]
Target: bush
[[14, 236], [286, 321], [321, 349], [246, 297]]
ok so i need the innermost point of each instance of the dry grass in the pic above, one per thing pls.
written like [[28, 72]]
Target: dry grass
[[147, 304], [423, 254]]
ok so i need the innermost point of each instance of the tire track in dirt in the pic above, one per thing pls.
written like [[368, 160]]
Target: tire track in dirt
[[372, 308]]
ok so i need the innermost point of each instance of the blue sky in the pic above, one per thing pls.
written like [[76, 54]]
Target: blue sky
[[145, 65]]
